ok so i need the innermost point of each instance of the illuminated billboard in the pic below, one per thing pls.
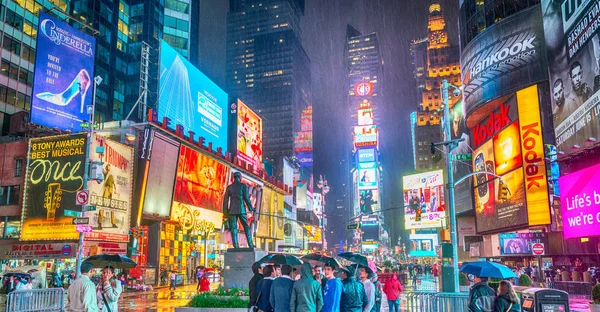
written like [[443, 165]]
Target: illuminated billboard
[[112, 197], [363, 88], [507, 149], [423, 245], [191, 99], [463, 192], [365, 117], [580, 202], [366, 155], [54, 175], [369, 201], [367, 175], [520, 243], [249, 136], [264, 219], [199, 187], [305, 159], [62, 83], [424, 200], [303, 141], [365, 136]]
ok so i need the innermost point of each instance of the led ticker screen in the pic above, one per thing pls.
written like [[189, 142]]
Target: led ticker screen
[[191, 99], [249, 135], [64, 67], [365, 136], [367, 175], [366, 155]]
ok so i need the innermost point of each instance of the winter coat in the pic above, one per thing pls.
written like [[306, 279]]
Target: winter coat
[[481, 298], [204, 284], [252, 287], [111, 292], [392, 288], [354, 297], [307, 295], [281, 291], [332, 295], [503, 302], [264, 289]]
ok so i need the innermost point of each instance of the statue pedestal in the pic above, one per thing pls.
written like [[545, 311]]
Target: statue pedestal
[[238, 266]]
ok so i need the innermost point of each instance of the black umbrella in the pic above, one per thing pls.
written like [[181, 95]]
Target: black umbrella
[[355, 267], [280, 259], [324, 260], [354, 257], [115, 261]]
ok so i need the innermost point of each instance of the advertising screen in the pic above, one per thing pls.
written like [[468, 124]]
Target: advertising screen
[[264, 219], [520, 243], [365, 136], [507, 149], [367, 175], [313, 234], [573, 49], [580, 202], [463, 193], [199, 187], [363, 88], [62, 83], [249, 136], [303, 141], [424, 200], [365, 117], [279, 221], [54, 175], [370, 233], [112, 197], [366, 155], [190, 99], [423, 245], [305, 159], [160, 183], [369, 201]]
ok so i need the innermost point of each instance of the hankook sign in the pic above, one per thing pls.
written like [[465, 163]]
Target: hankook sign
[[505, 58]]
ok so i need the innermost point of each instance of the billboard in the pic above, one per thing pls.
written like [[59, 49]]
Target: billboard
[[249, 136], [520, 243], [303, 141], [423, 245], [199, 187], [191, 99], [365, 136], [54, 175], [580, 202], [463, 194], [62, 83], [112, 197], [366, 155], [365, 117], [367, 175], [424, 200], [279, 221], [264, 219], [510, 56], [363, 88], [314, 234], [368, 200], [305, 159], [573, 49]]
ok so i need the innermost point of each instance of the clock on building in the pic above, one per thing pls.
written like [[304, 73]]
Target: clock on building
[[438, 36]]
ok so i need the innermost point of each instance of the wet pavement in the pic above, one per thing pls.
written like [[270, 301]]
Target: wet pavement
[[160, 300]]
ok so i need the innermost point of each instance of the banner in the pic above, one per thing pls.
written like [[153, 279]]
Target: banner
[[424, 200], [112, 197], [54, 175], [62, 83], [573, 49], [38, 251]]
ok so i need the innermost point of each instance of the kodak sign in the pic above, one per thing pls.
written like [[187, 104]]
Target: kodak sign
[[532, 151], [496, 122]]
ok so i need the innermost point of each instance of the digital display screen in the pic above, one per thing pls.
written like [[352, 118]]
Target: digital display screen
[[424, 200], [249, 136], [366, 155], [367, 175], [159, 190]]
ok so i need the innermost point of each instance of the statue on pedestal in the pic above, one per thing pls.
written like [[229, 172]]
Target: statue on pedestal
[[235, 203]]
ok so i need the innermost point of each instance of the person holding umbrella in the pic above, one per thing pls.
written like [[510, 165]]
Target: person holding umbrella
[[307, 295], [481, 296], [354, 297], [108, 291]]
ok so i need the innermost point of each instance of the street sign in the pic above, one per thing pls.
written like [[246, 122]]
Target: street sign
[[538, 249], [462, 157], [90, 208], [78, 221], [353, 226], [82, 228], [82, 197], [71, 213]]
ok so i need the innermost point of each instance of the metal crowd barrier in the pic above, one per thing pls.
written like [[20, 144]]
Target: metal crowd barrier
[[47, 300], [436, 302]]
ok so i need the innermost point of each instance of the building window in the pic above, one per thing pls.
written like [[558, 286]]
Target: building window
[[9, 195], [18, 167], [14, 20], [11, 44]]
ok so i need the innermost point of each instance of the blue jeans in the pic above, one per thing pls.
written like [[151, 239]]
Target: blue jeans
[[394, 305]]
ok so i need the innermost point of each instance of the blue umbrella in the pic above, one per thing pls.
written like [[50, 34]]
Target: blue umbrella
[[487, 269]]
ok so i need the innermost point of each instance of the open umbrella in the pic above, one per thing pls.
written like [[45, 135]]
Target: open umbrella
[[487, 269], [321, 259], [115, 261], [355, 267], [354, 257], [280, 259]]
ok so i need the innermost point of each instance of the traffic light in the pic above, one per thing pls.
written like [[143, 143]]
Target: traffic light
[[504, 191]]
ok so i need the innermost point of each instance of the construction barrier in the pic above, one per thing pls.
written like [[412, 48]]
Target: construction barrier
[[436, 302], [30, 300]]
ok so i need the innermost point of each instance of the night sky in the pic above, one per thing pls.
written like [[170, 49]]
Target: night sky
[[396, 22]]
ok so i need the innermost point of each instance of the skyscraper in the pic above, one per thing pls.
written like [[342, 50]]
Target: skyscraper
[[269, 70]]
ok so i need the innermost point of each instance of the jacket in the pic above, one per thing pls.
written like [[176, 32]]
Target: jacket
[[307, 295], [332, 295], [236, 199], [503, 302], [354, 297], [280, 294], [81, 296], [481, 298], [111, 292], [252, 288], [264, 290], [392, 288], [370, 291]]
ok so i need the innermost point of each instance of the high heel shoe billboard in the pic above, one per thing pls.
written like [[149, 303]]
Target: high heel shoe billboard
[[64, 65]]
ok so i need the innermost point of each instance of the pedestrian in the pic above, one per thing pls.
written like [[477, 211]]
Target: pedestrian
[[392, 290], [264, 289], [108, 291], [333, 290], [81, 296], [319, 277], [199, 274], [481, 296], [163, 276], [204, 284], [257, 270], [369, 287], [296, 274], [307, 295], [354, 297], [172, 279], [56, 281], [507, 300], [281, 290], [277, 270], [378, 292]]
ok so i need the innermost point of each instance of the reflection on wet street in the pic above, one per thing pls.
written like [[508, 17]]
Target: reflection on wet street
[[162, 300]]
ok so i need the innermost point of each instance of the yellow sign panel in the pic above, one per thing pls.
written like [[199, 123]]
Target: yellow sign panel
[[532, 149], [278, 211], [265, 210], [314, 234]]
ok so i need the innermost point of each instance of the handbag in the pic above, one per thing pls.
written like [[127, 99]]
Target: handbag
[[105, 303], [254, 307], [510, 307]]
